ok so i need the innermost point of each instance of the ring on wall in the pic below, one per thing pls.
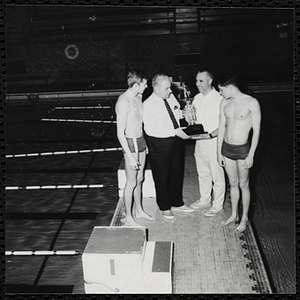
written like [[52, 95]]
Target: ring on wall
[[71, 51]]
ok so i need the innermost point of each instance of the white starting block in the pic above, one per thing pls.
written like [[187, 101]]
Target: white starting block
[[120, 260], [148, 189]]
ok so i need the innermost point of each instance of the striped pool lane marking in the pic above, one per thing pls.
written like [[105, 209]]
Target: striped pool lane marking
[[80, 121], [43, 252], [69, 186], [63, 152], [82, 107]]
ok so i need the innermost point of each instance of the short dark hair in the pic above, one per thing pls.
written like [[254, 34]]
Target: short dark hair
[[135, 76], [209, 73], [227, 79]]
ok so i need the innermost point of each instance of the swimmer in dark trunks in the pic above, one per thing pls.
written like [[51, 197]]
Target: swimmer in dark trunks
[[136, 145], [235, 152], [130, 136], [239, 113]]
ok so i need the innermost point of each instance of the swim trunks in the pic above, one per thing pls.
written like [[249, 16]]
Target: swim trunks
[[140, 142], [235, 152]]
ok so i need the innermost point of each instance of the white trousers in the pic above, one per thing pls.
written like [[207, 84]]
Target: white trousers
[[210, 173]]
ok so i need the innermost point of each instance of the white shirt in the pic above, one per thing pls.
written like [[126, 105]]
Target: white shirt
[[208, 109], [157, 121]]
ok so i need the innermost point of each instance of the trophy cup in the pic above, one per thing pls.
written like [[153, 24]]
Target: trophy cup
[[189, 112]]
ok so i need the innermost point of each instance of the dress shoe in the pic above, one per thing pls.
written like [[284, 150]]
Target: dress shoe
[[167, 214], [183, 208], [212, 212], [199, 204]]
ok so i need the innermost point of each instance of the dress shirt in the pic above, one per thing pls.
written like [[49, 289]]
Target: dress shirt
[[157, 121], [208, 109]]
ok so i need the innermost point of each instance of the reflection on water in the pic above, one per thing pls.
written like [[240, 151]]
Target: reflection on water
[[30, 235]]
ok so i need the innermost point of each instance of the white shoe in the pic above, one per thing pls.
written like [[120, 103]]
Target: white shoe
[[212, 212], [167, 214], [183, 208], [199, 204]]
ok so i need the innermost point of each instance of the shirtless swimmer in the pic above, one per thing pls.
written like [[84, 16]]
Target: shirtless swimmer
[[239, 113], [130, 136]]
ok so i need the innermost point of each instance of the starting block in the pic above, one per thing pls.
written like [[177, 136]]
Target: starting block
[[121, 260], [148, 188]]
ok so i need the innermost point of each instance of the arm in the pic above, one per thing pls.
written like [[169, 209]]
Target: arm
[[215, 114], [122, 108], [180, 133], [217, 107], [255, 119], [221, 133]]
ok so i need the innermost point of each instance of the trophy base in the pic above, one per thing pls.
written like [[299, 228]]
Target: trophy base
[[194, 129]]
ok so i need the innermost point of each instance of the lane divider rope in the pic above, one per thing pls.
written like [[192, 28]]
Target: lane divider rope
[[82, 107], [66, 186], [79, 121], [63, 152], [43, 252]]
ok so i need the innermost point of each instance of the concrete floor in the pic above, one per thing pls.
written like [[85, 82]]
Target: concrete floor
[[208, 258]]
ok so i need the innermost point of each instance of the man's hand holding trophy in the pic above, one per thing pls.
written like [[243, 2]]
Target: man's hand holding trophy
[[193, 130]]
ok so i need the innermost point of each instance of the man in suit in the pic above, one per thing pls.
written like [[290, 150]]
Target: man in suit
[[161, 114]]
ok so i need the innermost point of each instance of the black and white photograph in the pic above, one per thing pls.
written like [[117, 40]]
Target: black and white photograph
[[149, 150]]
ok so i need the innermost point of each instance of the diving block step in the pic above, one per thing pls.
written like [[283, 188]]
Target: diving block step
[[148, 189], [157, 268], [120, 260]]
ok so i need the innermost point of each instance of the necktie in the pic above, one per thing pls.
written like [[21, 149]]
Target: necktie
[[175, 124]]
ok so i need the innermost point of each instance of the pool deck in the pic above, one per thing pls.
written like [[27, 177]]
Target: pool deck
[[208, 258]]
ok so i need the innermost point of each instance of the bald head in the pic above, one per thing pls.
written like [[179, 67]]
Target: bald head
[[161, 86]]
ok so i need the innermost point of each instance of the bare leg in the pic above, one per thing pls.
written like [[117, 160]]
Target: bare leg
[[244, 185], [139, 211], [131, 183], [232, 173]]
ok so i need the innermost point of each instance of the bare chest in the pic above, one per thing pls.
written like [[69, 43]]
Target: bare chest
[[135, 108], [236, 111]]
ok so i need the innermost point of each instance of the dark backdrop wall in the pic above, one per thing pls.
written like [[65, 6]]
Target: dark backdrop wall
[[261, 55]]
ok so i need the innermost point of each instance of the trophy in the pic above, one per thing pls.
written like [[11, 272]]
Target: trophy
[[189, 112]]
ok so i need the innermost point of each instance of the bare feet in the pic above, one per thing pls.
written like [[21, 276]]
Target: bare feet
[[130, 223], [242, 226], [230, 220], [143, 215]]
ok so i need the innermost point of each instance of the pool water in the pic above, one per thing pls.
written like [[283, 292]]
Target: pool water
[[57, 219]]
